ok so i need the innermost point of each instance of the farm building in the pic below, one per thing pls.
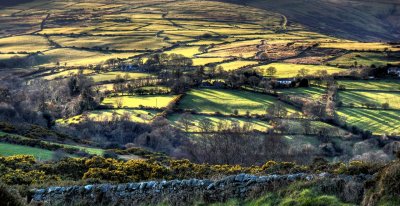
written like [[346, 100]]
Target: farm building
[[286, 81], [394, 71], [129, 67]]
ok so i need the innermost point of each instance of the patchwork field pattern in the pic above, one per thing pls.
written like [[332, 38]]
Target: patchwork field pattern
[[59, 39]]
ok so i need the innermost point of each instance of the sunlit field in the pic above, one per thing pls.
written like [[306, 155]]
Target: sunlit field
[[364, 59], [310, 92], [140, 116], [237, 64], [74, 57], [109, 76], [360, 98], [29, 44], [375, 85], [378, 121], [284, 70], [12, 149], [195, 120], [357, 46], [227, 101], [149, 101]]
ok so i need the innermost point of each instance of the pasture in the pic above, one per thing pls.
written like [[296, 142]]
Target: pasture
[[185, 51], [376, 85], [237, 64], [284, 70], [359, 46], [360, 98], [75, 57], [109, 76], [12, 149], [379, 122], [26, 43], [66, 73], [210, 101], [365, 59], [112, 43], [204, 61], [140, 116], [150, 101], [195, 122], [308, 92]]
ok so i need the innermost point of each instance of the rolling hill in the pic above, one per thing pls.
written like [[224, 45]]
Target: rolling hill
[[356, 20]]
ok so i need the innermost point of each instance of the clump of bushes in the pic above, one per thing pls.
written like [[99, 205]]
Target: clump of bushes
[[25, 170], [385, 189], [8, 197], [358, 167], [12, 139]]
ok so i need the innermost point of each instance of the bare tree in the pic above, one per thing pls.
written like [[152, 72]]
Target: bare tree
[[119, 102], [206, 125], [271, 71], [186, 120]]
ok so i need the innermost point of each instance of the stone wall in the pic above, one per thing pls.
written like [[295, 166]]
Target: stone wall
[[184, 192]]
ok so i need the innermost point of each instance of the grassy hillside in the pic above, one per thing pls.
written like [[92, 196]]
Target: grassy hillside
[[365, 21], [12, 149], [13, 3]]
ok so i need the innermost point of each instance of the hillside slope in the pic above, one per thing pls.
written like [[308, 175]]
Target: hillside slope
[[13, 3], [357, 20]]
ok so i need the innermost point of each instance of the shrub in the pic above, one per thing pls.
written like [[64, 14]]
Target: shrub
[[309, 197], [105, 174], [19, 177], [141, 170], [9, 198], [385, 189], [390, 183], [280, 168], [358, 167]]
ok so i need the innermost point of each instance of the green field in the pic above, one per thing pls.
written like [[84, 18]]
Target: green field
[[365, 59], [237, 64], [142, 116], [307, 92], [358, 46], [294, 126], [196, 119], [153, 101], [377, 121], [67, 73], [12, 149], [109, 76], [378, 85], [75, 57], [358, 98], [227, 101], [26, 43], [284, 70], [204, 61], [89, 150], [113, 43], [185, 51]]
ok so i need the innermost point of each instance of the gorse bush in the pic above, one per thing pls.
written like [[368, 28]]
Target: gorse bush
[[9, 198], [25, 170], [390, 183], [385, 188]]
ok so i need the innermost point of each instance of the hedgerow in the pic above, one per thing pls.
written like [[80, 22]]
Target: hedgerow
[[25, 170]]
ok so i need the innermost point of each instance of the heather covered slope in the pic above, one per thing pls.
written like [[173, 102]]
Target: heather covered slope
[[358, 20], [13, 3]]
